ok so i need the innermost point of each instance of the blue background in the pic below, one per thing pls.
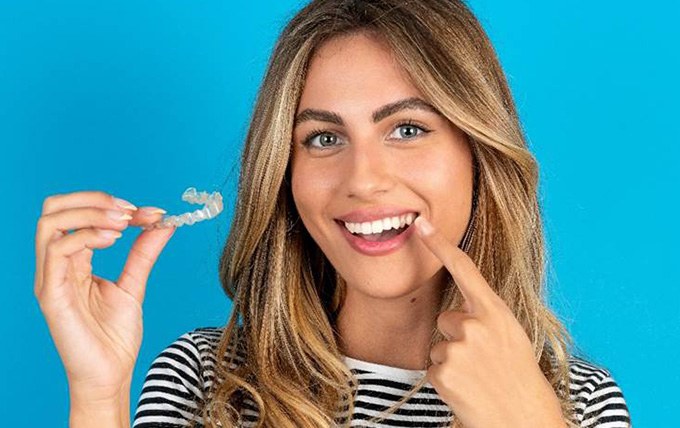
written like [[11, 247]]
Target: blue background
[[143, 99]]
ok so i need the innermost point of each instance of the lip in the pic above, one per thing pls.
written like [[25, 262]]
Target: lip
[[377, 213], [375, 248]]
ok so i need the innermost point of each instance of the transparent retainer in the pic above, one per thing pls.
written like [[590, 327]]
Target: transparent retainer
[[213, 206]]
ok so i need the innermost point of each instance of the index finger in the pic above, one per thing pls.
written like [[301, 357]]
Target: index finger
[[60, 202], [86, 198], [472, 285]]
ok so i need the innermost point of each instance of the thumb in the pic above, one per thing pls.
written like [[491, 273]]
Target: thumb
[[143, 254]]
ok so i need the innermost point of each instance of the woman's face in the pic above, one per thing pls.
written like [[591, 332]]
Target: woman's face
[[367, 164]]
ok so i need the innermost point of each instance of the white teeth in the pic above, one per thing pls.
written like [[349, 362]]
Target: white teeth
[[377, 226]]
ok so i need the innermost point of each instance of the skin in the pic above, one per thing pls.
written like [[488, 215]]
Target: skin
[[95, 323], [485, 370], [372, 165]]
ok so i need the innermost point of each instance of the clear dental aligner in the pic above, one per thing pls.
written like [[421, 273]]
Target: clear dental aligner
[[213, 206]]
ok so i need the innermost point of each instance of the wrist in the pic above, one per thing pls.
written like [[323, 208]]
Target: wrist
[[99, 416], [541, 407], [92, 408]]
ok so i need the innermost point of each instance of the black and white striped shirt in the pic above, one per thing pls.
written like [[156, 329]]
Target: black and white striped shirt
[[182, 373]]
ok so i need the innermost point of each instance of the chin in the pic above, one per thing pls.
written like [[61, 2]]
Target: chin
[[380, 286]]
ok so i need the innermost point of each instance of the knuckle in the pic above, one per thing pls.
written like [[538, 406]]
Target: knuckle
[[39, 291], [103, 195], [444, 320], [47, 203], [103, 214], [471, 322], [89, 234], [100, 215], [451, 317], [437, 352], [42, 300], [476, 330], [49, 251], [133, 278], [104, 198], [468, 325], [42, 224], [143, 255], [433, 374], [52, 248], [450, 351], [96, 217]]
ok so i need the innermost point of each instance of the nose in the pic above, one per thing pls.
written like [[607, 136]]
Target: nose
[[369, 172]]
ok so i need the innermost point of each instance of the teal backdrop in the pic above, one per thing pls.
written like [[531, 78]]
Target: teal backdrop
[[143, 99]]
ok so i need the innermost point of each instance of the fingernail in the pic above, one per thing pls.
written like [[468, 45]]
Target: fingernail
[[110, 233], [424, 227], [117, 215], [124, 204], [151, 211]]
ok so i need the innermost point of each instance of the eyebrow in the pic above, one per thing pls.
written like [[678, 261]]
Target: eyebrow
[[414, 103]]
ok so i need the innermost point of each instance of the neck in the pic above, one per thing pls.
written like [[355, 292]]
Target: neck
[[394, 332]]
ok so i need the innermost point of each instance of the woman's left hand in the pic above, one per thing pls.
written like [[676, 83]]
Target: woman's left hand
[[486, 370]]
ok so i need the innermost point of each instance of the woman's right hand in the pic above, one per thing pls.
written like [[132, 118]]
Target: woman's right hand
[[96, 324]]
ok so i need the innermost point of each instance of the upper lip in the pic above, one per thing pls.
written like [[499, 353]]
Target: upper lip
[[376, 213]]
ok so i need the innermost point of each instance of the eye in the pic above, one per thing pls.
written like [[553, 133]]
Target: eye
[[412, 130], [328, 139]]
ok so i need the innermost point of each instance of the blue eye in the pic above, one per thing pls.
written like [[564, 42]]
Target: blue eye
[[328, 138], [413, 134]]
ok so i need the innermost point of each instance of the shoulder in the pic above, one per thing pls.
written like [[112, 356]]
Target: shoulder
[[202, 343], [597, 397], [190, 350], [179, 377]]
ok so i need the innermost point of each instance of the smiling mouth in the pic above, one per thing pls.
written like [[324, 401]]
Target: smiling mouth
[[385, 235]]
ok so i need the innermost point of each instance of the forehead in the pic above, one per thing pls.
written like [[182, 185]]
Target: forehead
[[354, 72]]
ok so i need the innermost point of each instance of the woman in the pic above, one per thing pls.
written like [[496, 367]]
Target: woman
[[372, 114]]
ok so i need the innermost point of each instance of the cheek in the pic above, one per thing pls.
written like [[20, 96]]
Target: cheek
[[443, 178], [300, 192], [438, 172], [309, 189]]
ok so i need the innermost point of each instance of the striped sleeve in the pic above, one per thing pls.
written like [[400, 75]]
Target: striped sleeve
[[172, 388], [605, 406]]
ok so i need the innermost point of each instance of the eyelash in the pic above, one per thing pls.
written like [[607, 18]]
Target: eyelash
[[316, 132]]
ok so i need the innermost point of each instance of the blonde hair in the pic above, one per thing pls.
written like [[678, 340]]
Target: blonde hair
[[286, 292]]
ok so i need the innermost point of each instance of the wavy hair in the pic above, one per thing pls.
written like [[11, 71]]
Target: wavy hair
[[286, 293]]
